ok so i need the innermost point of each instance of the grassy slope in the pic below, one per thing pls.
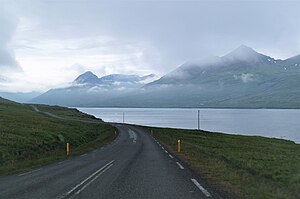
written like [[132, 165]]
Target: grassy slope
[[70, 113], [246, 166], [29, 139]]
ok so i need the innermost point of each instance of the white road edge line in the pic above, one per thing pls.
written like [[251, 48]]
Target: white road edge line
[[29, 172], [180, 166], [82, 182], [170, 156], [204, 191]]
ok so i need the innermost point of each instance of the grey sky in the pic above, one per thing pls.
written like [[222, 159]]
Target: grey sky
[[8, 26], [54, 41]]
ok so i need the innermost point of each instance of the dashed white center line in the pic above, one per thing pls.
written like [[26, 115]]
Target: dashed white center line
[[170, 156], [204, 191], [180, 166], [166, 151], [132, 135], [83, 155], [93, 179], [86, 181]]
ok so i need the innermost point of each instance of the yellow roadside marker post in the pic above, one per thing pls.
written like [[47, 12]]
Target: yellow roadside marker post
[[68, 150], [178, 146]]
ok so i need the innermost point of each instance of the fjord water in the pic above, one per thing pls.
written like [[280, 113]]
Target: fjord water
[[279, 123]]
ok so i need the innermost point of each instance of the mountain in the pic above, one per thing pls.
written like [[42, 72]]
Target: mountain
[[87, 78], [245, 54], [88, 87], [90, 79], [243, 78], [239, 61]]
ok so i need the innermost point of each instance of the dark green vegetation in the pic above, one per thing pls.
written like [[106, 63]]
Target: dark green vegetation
[[29, 138], [246, 166]]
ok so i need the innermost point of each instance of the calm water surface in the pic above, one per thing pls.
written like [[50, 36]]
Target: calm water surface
[[280, 123]]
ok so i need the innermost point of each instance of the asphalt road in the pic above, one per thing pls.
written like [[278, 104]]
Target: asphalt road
[[135, 165]]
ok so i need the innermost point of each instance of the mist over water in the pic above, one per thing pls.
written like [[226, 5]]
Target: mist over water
[[279, 123]]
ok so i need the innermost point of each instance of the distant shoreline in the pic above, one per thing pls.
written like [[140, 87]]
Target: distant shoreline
[[184, 107], [264, 122]]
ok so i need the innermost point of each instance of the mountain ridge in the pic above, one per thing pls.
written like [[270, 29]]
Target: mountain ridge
[[89, 77], [242, 78]]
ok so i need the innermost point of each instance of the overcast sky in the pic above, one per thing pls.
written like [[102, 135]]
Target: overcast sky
[[46, 44]]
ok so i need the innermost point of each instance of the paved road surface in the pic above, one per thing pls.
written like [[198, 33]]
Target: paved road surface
[[133, 166]]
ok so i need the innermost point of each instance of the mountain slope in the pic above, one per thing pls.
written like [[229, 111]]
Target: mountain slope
[[242, 78], [242, 60]]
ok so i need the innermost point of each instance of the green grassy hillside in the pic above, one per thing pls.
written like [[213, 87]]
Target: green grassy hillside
[[29, 138], [67, 113], [246, 166]]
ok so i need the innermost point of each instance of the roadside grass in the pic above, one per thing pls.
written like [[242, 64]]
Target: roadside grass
[[29, 139], [243, 166]]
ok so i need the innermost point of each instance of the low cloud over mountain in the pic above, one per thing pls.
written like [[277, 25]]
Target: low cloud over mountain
[[241, 78]]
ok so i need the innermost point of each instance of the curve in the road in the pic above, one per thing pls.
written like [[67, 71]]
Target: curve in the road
[[135, 165]]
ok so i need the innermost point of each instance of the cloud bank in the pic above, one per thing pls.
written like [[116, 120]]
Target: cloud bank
[[8, 60], [135, 37]]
